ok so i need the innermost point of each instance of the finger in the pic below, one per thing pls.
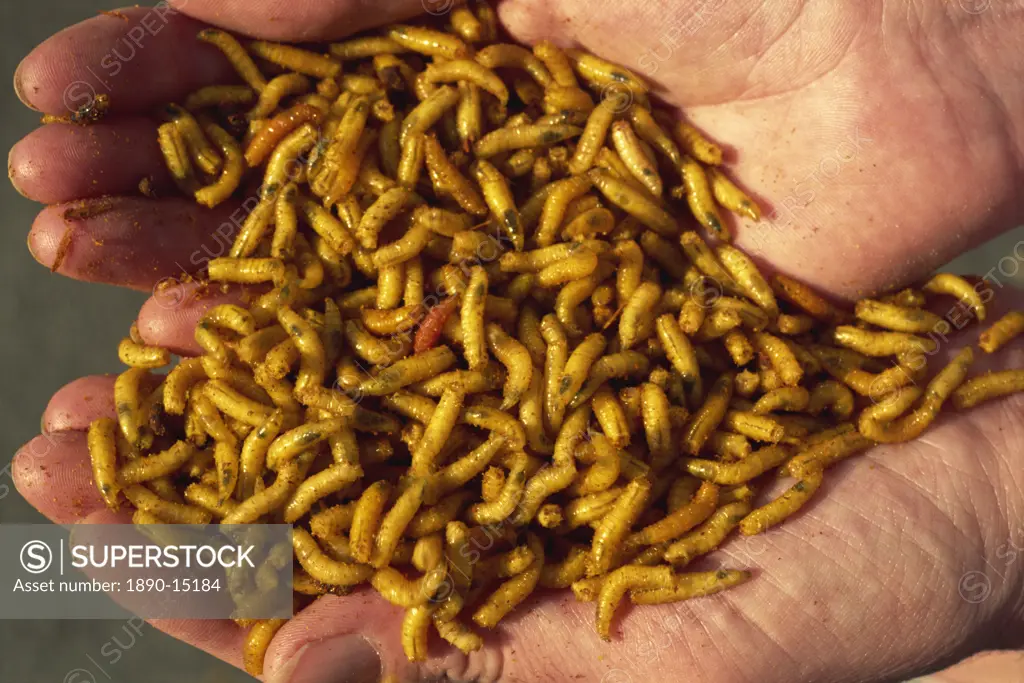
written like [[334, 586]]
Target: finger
[[169, 317], [77, 404], [52, 473], [132, 241], [303, 20], [109, 55], [61, 162]]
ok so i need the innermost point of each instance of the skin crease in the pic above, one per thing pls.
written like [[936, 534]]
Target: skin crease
[[882, 136]]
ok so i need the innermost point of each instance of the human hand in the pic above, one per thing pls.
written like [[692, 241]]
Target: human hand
[[898, 528]]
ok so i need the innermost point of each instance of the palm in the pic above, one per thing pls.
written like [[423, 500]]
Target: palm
[[857, 123], [789, 88]]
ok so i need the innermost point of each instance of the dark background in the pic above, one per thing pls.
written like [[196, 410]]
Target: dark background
[[58, 329]]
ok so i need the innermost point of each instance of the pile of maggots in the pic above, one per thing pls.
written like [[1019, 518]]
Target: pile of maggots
[[482, 353]]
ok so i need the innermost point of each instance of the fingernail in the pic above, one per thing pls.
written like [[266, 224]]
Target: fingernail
[[29, 242], [347, 659], [19, 86], [12, 174]]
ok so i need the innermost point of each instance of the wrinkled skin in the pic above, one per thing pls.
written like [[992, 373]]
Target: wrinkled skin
[[884, 137]]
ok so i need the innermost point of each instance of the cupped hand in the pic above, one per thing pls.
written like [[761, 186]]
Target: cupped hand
[[883, 138]]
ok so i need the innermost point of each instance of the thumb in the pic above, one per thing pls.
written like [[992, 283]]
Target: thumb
[[355, 639], [550, 637], [349, 639], [305, 20]]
